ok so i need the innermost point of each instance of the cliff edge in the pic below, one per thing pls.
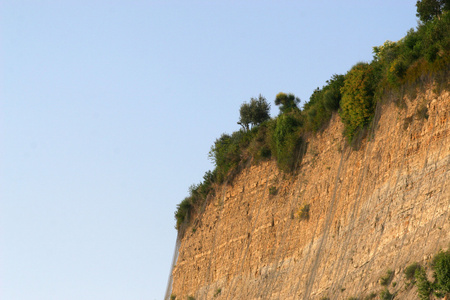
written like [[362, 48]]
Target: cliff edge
[[345, 218]]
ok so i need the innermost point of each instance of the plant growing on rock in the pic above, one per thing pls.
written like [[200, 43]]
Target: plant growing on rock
[[386, 279], [441, 267], [386, 295], [303, 212], [410, 271]]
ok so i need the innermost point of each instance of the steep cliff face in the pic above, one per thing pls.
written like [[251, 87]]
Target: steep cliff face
[[377, 208]]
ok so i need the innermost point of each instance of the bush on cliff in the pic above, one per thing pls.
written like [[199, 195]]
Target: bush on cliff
[[441, 267], [286, 140], [357, 104], [322, 103], [421, 53]]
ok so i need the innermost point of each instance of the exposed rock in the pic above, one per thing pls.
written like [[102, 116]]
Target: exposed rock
[[374, 209]]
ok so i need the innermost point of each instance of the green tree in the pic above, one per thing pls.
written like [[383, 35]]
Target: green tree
[[357, 104], [287, 102], [427, 10], [254, 113], [323, 102], [423, 285], [441, 266], [286, 141]]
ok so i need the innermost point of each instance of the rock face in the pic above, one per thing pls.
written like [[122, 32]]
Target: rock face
[[372, 209]]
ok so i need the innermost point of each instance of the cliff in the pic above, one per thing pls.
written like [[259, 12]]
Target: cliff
[[372, 208]]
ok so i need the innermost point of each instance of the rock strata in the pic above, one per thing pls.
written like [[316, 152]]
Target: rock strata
[[372, 208]]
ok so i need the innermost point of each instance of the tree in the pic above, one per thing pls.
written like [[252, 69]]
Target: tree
[[357, 105], [287, 102], [254, 113], [427, 10]]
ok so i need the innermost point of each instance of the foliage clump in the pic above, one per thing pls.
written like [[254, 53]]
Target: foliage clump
[[286, 140], [424, 287], [323, 102], [410, 271], [441, 267], [197, 193], [427, 10], [357, 104], [273, 191], [287, 103], [424, 51], [254, 113], [386, 295], [440, 286], [303, 212], [386, 279]]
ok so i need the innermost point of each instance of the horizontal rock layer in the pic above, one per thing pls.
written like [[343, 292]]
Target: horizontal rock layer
[[376, 208]]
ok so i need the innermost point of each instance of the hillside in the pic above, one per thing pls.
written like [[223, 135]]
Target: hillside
[[379, 206], [344, 198]]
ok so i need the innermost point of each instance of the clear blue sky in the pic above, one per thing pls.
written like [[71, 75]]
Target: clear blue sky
[[108, 110]]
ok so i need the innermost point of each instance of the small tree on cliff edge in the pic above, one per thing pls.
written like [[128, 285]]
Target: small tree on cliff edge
[[287, 102], [427, 10], [254, 113]]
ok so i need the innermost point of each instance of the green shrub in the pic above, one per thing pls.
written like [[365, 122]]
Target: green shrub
[[410, 271], [424, 287], [357, 104], [370, 296], [303, 212], [322, 103], [273, 191], [173, 297], [428, 10], [286, 141], [190, 298], [386, 279], [182, 212], [386, 295], [254, 113], [217, 293], [287, 102], [227, 151], [259, 146], [441, 267]]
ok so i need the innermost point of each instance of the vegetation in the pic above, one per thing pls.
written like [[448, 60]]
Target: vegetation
[[427, 10], [357, 104], [370, 296], [386, 295], [197, 193], [424, 51], [286, 140], [287, 103], [303, 212], [273, 191], [440, 286], [441, 267], [323, 102], [423, 285], [386, 279], [217, 292], [410, 271], [254, 113]]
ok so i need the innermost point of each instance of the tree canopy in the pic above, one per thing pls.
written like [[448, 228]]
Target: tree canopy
[[287, 102], [427, 10], [254, 113]]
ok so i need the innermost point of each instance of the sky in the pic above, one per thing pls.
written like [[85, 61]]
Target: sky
[[108, 110]]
